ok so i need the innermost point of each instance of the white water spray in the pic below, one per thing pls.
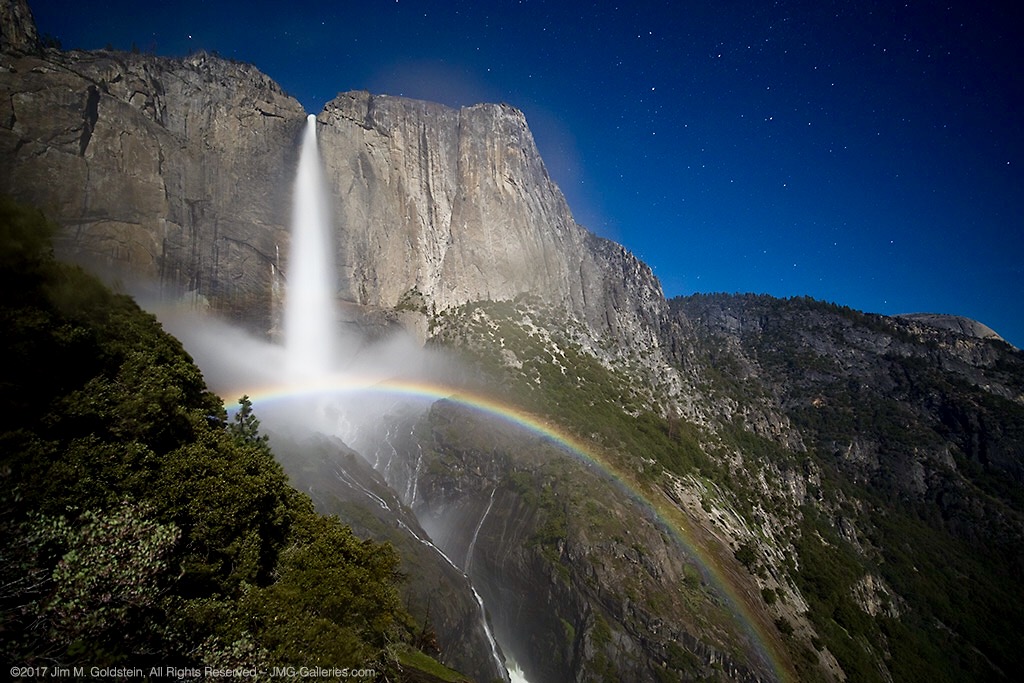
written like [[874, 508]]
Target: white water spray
[[309, 304]]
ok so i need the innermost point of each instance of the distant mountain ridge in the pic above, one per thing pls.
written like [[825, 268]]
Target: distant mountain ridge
[[956, 323]]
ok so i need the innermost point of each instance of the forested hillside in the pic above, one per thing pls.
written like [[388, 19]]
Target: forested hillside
[[141, 525]]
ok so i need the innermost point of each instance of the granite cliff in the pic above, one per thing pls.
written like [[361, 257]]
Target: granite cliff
[[453, 206], [179, 171], [172, 171]]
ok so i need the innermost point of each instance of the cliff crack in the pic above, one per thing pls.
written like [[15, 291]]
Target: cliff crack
[[363, 123], [269, 114], [256, 250], [90, 115], [13, 118]]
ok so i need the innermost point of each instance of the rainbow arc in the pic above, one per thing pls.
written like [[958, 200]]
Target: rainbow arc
[[764, 641]]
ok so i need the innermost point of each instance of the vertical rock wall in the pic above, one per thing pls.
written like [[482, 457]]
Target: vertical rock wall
[[176, 171], [458, 206]]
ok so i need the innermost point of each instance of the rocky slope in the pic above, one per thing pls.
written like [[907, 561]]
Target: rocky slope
[[895, 522], [581, 585], [437, 593]]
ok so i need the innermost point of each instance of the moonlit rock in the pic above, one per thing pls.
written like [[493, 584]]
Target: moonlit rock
[[955, 323]]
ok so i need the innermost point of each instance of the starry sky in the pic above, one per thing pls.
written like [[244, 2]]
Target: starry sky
[[865, 153]]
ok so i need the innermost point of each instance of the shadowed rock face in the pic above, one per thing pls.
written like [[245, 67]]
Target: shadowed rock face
[[177, 171], [18, 32], [580, 584], [438, 595]]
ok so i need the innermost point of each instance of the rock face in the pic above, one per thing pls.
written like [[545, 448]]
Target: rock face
[[956, 323], [18, 32], [177, 171], [180, 171], [934, 390], [457, 206]]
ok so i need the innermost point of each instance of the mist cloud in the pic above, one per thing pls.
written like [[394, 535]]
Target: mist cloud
[[354, 402]]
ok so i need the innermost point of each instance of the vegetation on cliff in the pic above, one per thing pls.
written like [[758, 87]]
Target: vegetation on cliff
[[906, 545], [141, 524], [865, 470], [532, 356], [613, 575]]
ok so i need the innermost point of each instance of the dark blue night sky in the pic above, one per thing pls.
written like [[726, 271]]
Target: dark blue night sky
[[866, 153]]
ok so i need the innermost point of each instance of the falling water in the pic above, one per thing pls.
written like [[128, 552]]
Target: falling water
[[309, 300], [480, 603], [472, 543], [309, 320]]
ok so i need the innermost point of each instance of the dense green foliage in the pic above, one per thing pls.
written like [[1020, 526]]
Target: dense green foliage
[[139, 523]]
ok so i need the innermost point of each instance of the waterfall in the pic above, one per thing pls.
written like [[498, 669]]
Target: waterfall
[[309, 300], [312, 341], [410, 491], [495, 649], [472, 543]]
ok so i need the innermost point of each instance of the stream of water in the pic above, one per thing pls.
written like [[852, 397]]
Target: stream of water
[[310, 323], [309, 319]]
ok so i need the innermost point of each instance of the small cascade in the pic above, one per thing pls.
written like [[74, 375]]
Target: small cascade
[[351, 482], [495, 651], [309, 318], [472, 543], [487, 630], [411, 488], [385, 468]]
